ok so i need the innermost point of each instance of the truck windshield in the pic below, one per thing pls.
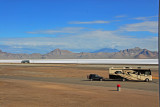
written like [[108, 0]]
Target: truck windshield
[[143, 72], [96, 75], [147, 72]]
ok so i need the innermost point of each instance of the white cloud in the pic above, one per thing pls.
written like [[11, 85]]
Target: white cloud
[[150, 26], [145, 18], [63, 30], [89, 22], [90, 40], [79, 38], [121, 16]]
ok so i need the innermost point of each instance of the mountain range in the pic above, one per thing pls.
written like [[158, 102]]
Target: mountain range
[[135, 53], [106, 50]]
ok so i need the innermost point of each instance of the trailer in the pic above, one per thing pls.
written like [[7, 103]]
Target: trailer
[[129, 73]]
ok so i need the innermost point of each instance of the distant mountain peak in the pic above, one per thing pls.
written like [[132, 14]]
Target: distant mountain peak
[[59, 52], [56, 50], [136, 48], [106, 50], [132, 50]]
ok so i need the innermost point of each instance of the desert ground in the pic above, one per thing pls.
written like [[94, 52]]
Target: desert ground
[[66, 85]]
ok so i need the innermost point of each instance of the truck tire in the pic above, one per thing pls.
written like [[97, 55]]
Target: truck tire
[[123, 79], [101, 79], [146, 80]]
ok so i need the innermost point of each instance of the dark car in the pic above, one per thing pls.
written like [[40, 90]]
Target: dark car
[[25, 61], [95, 77]]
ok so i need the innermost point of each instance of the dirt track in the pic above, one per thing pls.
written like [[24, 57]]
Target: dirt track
[[65, 85]]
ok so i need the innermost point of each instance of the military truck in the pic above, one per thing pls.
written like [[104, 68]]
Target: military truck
[[129, 73]]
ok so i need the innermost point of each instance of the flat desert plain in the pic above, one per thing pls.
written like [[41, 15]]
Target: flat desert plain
[[66, 85]]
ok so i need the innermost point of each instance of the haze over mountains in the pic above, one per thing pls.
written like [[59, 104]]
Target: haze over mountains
[[135, 53], [108, 50]]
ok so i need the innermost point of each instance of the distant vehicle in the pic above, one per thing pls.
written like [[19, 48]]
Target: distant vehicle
[[128, 73], [95, 77], [25, 61]]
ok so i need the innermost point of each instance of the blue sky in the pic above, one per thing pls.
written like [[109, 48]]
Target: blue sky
[[40, 26]]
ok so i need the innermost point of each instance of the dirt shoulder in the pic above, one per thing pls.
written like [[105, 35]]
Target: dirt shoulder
[[65, 85], [23, 93]]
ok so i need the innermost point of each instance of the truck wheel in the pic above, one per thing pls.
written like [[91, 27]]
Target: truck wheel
[[101, 79], [146, 80], [91, 79], [123, 79]]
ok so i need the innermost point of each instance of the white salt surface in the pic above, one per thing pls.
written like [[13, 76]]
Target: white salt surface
[[88, 61]]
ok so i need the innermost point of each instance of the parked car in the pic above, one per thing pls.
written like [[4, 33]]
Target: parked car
[[95, 77]]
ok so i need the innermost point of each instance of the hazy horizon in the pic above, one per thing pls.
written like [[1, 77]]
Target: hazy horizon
[[79, 26]]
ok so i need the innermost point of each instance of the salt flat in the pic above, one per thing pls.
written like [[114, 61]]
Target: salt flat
[[88, 61]]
